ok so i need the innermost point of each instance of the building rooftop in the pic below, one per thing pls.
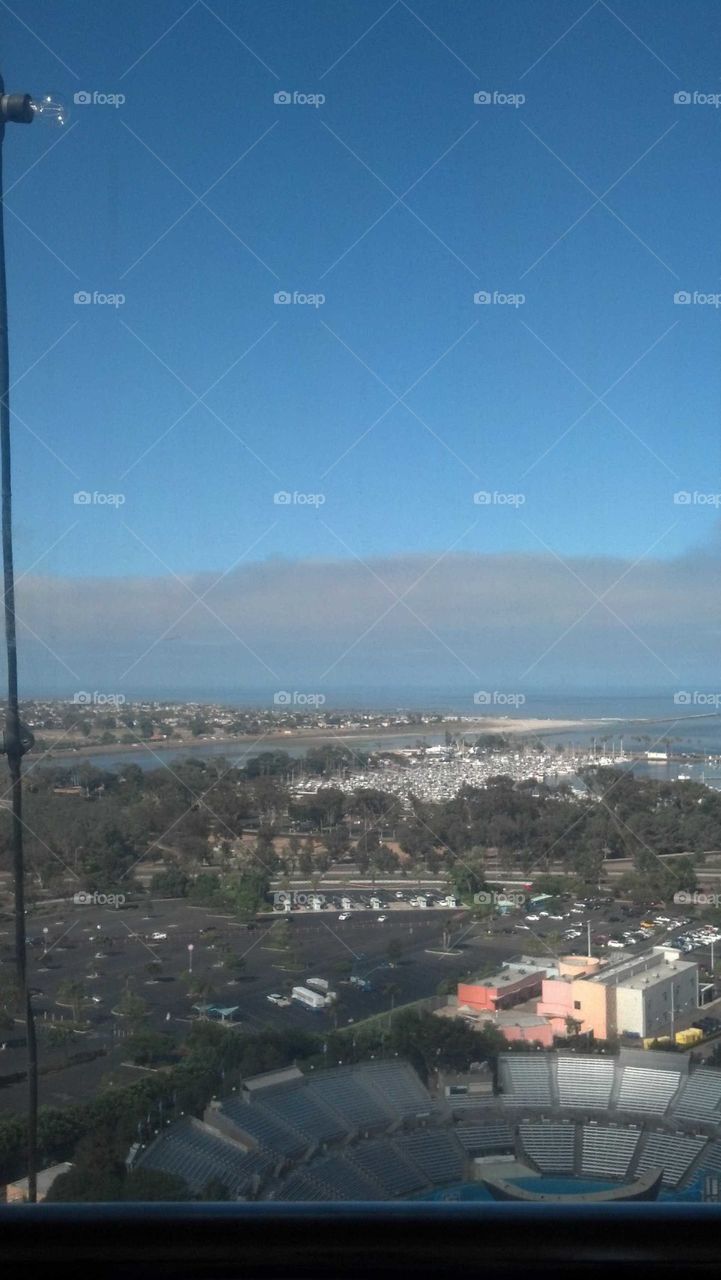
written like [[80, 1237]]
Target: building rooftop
[[268, 1079], [644, 970]]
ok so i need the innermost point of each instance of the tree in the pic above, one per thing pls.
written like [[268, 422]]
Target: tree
[[146, 1046], [73, 993], [170, 883], [235, 965], [133, 1008], [60, 1036]]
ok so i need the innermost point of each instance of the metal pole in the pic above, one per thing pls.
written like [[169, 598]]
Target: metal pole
[[13, 746]]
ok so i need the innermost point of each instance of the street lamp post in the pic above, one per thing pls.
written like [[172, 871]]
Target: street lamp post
[[190, 957], [16, 108]]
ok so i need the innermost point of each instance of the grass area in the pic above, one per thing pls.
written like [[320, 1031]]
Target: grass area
[[383, 1019]]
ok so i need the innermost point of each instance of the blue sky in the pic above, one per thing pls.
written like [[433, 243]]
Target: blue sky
[[307, 399]]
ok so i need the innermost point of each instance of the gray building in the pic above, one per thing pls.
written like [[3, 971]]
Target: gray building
[[651, 994]]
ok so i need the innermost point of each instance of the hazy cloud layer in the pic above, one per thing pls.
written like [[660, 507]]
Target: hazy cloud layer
[[458, 619]]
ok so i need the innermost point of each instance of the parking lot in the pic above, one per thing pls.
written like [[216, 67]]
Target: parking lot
[[108, 950]]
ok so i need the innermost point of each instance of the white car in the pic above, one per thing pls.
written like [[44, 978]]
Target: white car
[[613, 943], [399, 894], [159, 937], [344, 915], [275, 998], [381, 919], [533, 918]]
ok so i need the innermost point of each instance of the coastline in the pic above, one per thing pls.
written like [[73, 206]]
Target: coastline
[[314, 737]]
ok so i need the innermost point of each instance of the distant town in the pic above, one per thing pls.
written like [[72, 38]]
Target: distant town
[[108, 719]]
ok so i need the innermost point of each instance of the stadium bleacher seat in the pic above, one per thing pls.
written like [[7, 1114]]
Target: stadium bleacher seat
[[303, 1111], [480, 1139], [193, 1151], [673, 1152], [381, 1161], [528, 1078], [550, 1144], [270, 1133], [343, 1091], [437, 1152], [700, 1098], [585, 1082], [607, 1150], [645, 1089]]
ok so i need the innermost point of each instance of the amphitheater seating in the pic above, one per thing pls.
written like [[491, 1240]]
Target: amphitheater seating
[[343, 1090], [437, 1153], [528, 1079], [270, 1133], [301, 1109], [398, 1088], [711, 1158], [383, 1163], [464, 1103], [363, 1117], [585, 1082], [480, 1139], [349, 1183], [550, 1144], [674, 1152], [195, 1152], [645, 1089], [607, 1150], [299, 1185], [700, 1098]]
